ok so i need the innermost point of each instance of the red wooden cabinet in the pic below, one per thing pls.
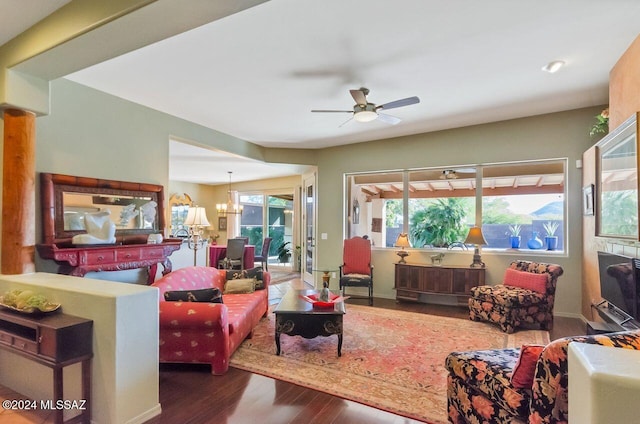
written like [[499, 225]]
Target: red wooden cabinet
[[78, 261]]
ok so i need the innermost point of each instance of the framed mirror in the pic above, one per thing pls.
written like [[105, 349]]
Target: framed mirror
[[617, 182], [178, 208], [136, 209]]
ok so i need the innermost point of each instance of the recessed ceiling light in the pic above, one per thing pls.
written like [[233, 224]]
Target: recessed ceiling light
[[552, 67]]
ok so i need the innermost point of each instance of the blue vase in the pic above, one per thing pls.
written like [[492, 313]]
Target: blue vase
[[534, 242], [551, 242], [515, 242]]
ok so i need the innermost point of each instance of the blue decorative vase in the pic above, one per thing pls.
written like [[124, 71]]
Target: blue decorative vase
[[551, 242], [534, 242], [515, 242]]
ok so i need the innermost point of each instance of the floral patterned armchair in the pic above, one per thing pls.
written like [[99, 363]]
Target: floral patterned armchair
[[526, 296], [480, 388]]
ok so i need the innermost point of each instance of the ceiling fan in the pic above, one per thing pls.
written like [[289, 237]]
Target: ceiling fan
[[363, 111], [452, 174]]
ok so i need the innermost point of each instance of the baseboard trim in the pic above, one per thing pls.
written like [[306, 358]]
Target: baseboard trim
[[147, 415], [571, 315]]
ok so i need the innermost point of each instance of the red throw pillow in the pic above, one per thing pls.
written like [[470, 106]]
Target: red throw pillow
[[525, 368], [526, 280]]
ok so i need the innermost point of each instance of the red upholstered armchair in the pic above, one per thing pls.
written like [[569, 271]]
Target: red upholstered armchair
[[526, 296], [357, 271], [206, 333]]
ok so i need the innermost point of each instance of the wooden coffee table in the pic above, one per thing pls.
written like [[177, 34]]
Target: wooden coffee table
[[297, 317]]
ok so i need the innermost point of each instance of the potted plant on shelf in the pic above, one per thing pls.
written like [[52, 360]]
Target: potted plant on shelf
[[515, 235], [551, 240]]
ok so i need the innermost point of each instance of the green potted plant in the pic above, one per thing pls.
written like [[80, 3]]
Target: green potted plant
[[284, 253], [602, 124], [515, 235], [551, 240]]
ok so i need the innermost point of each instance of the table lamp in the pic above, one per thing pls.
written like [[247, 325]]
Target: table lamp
[[195, 221], [402, 241], [476, 238]]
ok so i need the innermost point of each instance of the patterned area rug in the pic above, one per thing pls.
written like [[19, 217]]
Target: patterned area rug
[[391, 360]]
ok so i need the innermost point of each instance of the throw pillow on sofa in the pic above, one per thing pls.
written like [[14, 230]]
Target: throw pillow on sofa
[[213, 295], [240, 286], [525, 368], [248, 273]]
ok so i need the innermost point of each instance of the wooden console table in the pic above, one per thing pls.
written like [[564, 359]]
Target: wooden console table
[[78, 261], [411, 280], [54, 340]]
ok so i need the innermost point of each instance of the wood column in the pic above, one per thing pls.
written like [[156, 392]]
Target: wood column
[[18, 192], [624, 86]]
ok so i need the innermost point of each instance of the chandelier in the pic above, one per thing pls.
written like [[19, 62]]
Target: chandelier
[[230, 207]]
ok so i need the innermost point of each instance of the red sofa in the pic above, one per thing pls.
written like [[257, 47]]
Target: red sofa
[[195, 332]]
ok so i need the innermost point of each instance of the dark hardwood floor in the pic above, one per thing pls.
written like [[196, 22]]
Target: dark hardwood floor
[[190, 394]]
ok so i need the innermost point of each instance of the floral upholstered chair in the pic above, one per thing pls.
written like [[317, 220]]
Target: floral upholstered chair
[[525, 296], [527, 385]]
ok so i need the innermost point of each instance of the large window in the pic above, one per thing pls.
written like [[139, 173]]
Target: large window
[[437, 206], [441, 206], [526, 201]]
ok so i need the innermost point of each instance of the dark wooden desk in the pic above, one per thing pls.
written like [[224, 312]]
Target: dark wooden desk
[[54, 340], [297, 317], [218, 252]]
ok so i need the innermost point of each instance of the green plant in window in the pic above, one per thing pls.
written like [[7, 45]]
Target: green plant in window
[[620, 217], [441, 223], [550, 227], [515, 229]]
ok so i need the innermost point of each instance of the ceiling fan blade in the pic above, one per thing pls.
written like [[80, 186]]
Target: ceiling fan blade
[[388, 119], [359, 96], [340, 111], [399, 103], [345, 122]]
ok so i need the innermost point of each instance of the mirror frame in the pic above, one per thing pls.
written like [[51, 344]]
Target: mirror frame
[[627, 131], [52, 187], [177, 200]]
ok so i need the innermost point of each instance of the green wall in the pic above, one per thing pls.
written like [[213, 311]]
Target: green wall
[[91, 133], [558, 135]]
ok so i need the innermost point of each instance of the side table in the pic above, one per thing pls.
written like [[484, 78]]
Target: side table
[[55, 340]]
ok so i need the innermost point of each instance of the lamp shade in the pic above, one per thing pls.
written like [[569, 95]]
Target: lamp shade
[[196, 217], [475, 236], [402, 240]]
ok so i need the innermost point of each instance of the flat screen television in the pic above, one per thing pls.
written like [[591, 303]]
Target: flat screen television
[[619, 284]]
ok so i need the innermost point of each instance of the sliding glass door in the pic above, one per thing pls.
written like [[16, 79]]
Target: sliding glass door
[[275, 221]]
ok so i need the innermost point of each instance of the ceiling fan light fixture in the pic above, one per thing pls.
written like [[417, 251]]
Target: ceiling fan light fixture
[[365, 116], [365, 113], [553, 67], [448, 174]]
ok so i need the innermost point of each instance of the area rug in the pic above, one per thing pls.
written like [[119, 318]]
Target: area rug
[[391, 360]]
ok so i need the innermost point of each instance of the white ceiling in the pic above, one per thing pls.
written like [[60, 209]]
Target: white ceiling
[[257, 74], [193, 164], [18, 15]]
